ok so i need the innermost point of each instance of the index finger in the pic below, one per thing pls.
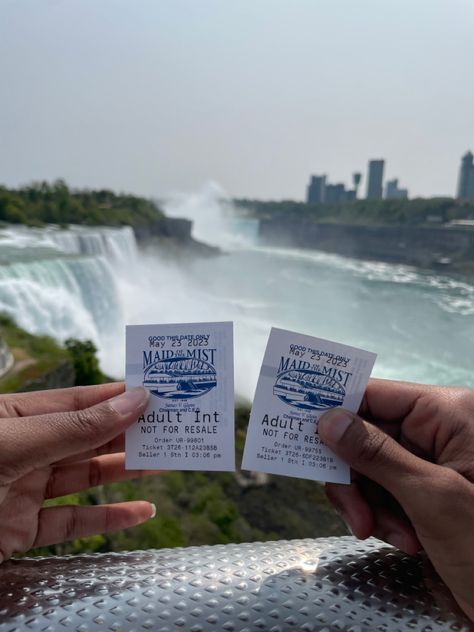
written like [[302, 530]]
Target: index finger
[[40, 440], [57, 400]]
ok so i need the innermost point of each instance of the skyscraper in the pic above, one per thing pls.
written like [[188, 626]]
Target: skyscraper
[[466, 177], [393, 191], [335, 193], [316, 189], [375, 180]]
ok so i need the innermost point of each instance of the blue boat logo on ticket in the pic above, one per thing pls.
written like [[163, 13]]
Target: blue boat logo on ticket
[[308, 389], [179, 377]]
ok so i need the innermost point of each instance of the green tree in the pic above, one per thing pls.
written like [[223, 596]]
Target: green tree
[[41, 203], [86, 364]]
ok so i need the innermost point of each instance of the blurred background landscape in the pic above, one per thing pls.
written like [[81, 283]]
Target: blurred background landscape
[[306, 165]]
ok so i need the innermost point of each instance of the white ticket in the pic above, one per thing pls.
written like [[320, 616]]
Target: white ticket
[[301, 377], [189, 421]]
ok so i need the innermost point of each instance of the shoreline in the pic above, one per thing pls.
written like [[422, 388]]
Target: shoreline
[[440, 249]]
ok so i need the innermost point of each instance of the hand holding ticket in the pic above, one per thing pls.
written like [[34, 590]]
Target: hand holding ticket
[[188, 424], [302, 377]]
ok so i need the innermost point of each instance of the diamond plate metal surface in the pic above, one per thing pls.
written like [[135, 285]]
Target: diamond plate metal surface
[[323, 585]]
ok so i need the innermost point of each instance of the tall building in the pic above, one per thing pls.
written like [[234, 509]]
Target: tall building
[[319, 190], [392, 191], [335, 193], [466, 177], [375, 179], [316, 190]]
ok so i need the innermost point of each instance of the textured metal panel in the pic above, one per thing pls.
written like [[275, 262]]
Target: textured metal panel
[[329, 584]]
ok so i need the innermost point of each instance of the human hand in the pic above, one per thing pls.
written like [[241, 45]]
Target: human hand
[[413, 474], [58, 442]]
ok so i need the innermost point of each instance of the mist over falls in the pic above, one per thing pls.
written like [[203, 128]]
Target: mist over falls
[[90, 282]]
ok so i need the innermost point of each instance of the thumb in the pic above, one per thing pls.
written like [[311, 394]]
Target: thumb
[[438, 500], [373, 453]]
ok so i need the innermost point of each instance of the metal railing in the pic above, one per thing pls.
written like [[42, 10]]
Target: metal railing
[[328, 584]]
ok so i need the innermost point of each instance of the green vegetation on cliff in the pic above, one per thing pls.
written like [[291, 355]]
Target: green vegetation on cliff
[[85, 361], [42, 203], [416, 211], [40, 362], [35, 357]]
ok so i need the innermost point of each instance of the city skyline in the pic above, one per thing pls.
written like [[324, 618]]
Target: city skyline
[[377, 188], [156, 97], [321, 190]]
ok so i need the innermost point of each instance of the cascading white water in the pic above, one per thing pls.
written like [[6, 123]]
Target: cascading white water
[[89, 282], [64, 283], [419, 323], [112, 243]]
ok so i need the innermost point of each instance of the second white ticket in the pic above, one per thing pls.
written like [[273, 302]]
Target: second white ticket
[[302, 377]]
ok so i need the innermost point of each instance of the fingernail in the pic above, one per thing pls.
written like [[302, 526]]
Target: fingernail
[[153, 510], [333, 424], [129, 401]]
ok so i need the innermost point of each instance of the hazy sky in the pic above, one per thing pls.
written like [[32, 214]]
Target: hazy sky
[[153, 96]]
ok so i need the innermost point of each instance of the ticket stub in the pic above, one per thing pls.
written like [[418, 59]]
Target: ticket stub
[[189, 421], [302, 377]]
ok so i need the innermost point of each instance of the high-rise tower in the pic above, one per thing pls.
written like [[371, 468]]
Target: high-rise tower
[[375, 180], [316, 190], [393, 191], [466, 177]]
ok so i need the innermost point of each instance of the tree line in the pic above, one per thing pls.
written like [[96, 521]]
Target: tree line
[[392, 211], [43, 203]]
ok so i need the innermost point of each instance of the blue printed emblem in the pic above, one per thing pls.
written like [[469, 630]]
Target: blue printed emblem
[[179, 378], [308, 389]]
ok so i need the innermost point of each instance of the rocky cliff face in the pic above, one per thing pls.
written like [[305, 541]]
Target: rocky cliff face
[[174, 233], [166, 227], [422, 246]]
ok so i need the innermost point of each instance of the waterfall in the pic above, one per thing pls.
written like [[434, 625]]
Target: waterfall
[[64, 283], [87, 282], [114, 244]]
